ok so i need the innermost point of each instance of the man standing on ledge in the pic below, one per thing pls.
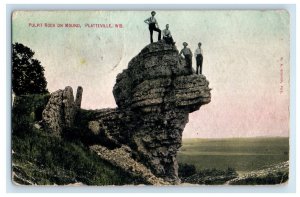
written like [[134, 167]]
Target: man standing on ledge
[[153, 26], [187, 55], [199, 58]]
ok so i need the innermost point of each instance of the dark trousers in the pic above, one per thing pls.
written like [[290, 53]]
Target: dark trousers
[[199, 60], [188, 62], [169, 40], [152, 28]]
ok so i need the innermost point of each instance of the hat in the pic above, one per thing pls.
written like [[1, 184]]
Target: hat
[[153, 12], [185, 44]]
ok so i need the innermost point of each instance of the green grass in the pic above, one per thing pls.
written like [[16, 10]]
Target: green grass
[[242, 154], [43, 159]]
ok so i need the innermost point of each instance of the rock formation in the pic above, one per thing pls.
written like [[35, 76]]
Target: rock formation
[[78, 97], [154, 97], [60, 110]]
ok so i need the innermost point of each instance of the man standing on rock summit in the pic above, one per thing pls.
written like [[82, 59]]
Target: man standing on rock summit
[[199, 58], [153, 26], [187, 55]]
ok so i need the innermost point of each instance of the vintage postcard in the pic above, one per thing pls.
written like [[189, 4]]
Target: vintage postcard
[[157, 97]]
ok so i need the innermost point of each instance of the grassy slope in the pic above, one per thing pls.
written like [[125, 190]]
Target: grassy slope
[[242, 154], [42, 159], [274, 174]]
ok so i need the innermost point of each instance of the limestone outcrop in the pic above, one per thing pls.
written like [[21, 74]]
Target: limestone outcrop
[[154, 97], [61, 110]]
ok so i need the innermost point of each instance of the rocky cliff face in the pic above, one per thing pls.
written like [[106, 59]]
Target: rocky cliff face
[[155, 95]]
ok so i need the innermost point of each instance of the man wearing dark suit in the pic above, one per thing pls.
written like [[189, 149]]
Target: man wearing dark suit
[[153, 26], [187, 56], [199, 58]]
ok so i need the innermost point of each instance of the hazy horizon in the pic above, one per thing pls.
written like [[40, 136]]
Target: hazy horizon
[[243, 53], [216, 138]]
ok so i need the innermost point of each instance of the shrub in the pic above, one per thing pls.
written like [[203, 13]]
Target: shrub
[[186, 170], [27, 109]]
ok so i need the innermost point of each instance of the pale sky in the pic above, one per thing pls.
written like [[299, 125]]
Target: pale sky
[[243, 53]]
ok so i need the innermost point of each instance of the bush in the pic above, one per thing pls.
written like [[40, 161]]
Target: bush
[[27, 109], [186, 170]]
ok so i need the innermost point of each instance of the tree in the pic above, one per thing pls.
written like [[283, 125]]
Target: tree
[[27, 73]]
